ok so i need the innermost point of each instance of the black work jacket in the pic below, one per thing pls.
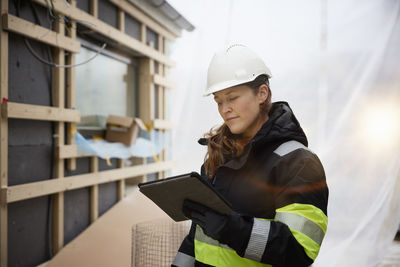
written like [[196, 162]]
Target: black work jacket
[[261, 180]]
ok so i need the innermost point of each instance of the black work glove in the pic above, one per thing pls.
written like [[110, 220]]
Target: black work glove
[[233, 230]]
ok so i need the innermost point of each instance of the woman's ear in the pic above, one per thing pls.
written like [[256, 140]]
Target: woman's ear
[[262, 93]]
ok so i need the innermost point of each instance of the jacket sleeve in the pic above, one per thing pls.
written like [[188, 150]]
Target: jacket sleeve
[[294, 236], [185, 256]]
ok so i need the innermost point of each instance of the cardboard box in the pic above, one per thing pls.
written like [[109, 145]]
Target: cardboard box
[[123, 129]]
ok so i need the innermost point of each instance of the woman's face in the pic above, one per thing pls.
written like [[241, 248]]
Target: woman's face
[[239, 107]]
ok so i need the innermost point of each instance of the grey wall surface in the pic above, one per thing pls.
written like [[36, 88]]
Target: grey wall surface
[[84, 5], [76, 204], [108, 12], [28, 235], [152, 36], [107, 192], [132, 26], [30, 154]]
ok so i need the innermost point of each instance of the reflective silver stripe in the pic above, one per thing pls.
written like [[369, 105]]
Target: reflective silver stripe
[[183, 260], [301, 224], [288, 147], [258, 240], [202, 237]]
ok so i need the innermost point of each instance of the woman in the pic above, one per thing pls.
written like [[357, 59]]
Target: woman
[[259, 161]]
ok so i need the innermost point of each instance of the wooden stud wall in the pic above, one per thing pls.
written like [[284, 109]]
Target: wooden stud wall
[[3, 139], [71, 93], [59, 100], [66, 116], [94, 191]]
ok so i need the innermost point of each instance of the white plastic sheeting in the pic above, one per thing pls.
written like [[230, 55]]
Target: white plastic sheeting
[[337, 63], [142, 148]]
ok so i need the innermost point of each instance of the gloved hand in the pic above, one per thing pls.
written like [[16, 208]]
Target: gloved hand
[[209, 220], [233, 230]]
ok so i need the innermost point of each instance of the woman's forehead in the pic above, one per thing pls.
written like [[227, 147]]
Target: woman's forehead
[[228, 91]]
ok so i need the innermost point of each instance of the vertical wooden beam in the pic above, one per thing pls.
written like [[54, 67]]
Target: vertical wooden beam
[[161, 99], [146, 90], [143, 34], [3, 140], [71, 93], [121, 20], [94, 8], [121, 183], [59, 101], [94, 191], [160, 96]]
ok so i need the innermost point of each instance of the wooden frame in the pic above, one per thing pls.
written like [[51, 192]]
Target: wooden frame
[[71, 93], [47, 187], [28, 29], [59, 101], [144, 19], [3, 139], [65, 116], [162, 81], [36, 112], [103, 28]]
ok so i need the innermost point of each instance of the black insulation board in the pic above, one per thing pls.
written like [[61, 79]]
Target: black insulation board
[[132, 27], [108, 193], [83, 5], [30, 155], [76, 213], [108, 12], [152, 36], [28, 236]]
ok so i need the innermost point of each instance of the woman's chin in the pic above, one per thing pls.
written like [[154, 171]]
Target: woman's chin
[[235, 130]]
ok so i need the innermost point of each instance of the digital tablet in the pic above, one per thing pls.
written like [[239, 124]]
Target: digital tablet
[[169, 194]]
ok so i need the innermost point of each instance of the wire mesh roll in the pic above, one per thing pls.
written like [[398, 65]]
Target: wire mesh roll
[[156, 242]]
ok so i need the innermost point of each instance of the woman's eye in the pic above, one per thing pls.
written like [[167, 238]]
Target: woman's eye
[[233, 98]]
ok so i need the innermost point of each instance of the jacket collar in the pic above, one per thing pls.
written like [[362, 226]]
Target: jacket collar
[[281, 126]]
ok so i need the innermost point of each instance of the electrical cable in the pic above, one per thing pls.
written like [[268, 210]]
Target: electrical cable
[[17, 4], [63, 66], [50, 197], [57, 18]]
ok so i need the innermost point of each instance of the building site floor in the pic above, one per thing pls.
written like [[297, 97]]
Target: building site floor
[[108, 241]]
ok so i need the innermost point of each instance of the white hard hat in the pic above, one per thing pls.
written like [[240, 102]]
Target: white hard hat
[[233, 66]]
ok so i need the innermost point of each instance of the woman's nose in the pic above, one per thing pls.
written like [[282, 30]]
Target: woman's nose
[[226, 107]]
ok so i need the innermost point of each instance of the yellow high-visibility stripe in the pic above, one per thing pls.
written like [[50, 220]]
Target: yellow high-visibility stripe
[[307, 211], [307, 223], [217, 254]]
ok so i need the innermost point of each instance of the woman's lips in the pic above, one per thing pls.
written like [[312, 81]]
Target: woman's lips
[[232, 118]]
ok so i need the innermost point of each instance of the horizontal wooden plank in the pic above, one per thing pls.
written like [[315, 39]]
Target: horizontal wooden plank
[[109, 31], [67, 151], [142, 17], [36, 112], [37, 189], [162, 124], [162, 81], [28, 29]]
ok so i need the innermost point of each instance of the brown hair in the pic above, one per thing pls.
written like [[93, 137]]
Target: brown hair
[[222, 143]]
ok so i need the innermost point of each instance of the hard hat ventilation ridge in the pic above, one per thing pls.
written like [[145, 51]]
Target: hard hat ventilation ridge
[[231, 46]]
